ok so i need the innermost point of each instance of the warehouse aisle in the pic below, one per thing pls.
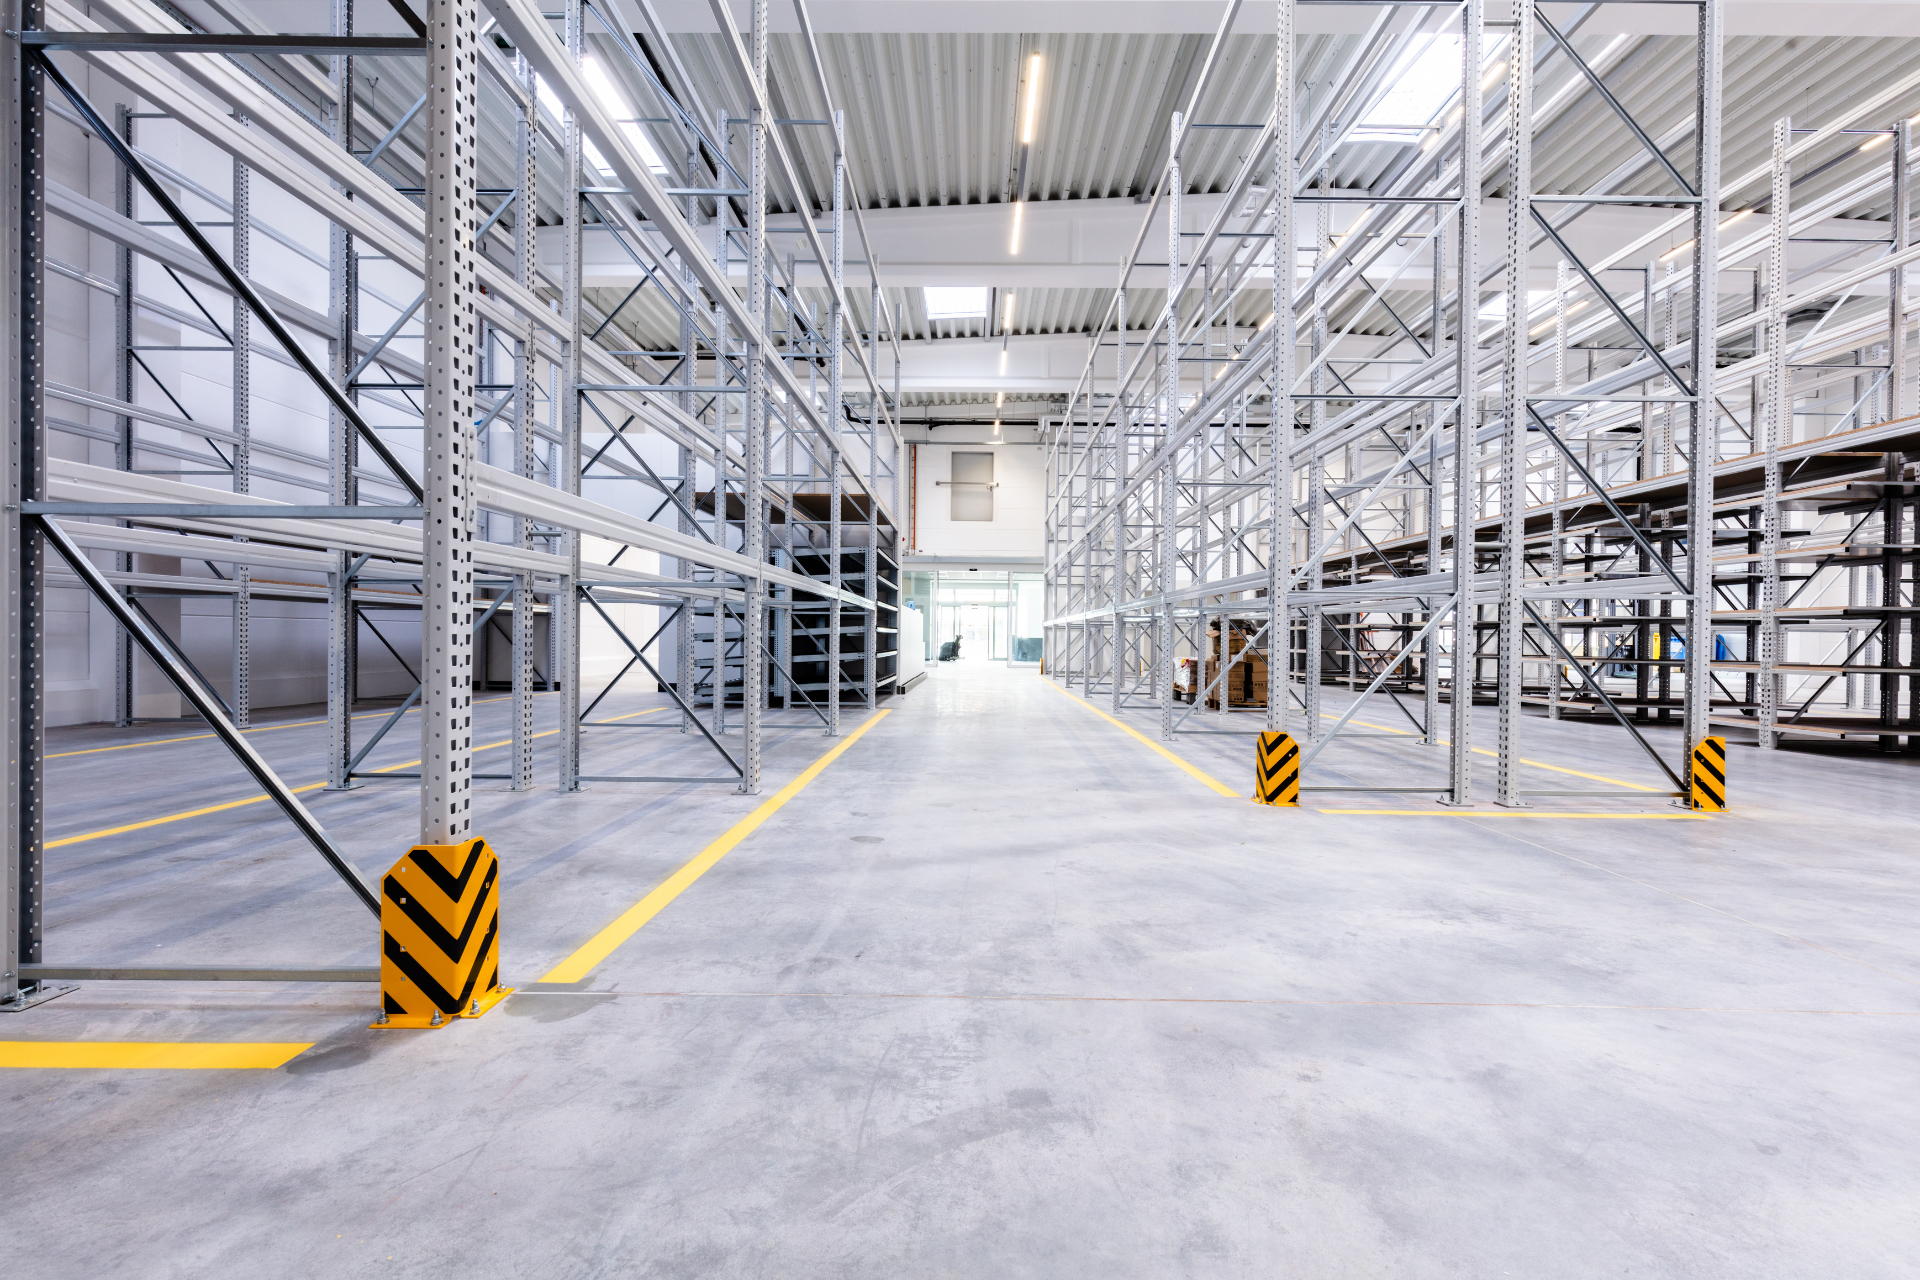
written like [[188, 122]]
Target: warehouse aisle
[[1004, 992]]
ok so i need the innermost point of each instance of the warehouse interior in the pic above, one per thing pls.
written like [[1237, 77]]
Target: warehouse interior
[[762, 637]]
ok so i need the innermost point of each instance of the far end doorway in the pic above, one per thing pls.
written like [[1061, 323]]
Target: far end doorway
[[995, 614]]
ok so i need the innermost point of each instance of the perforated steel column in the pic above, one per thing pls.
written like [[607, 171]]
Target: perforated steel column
[[872, 665], [1285, 353], [835, 399], [1466, 419], [564, 667], [753, 619], [451, 368], [684, 679], [21, 552], [242, 693], [1899, 399], [526, 254], [1514, 407], [1313, 658], [1776, 424], [1169, 422], [1121, 429], [1703, 414], [123, 306], [343, 452]]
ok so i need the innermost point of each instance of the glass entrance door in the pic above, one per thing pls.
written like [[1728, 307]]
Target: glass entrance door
[[975, 608]]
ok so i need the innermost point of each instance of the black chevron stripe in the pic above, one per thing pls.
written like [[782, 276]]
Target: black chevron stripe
[[1702, 762], [473, 974], [1710, 744], [429, 986], [1283, 762], [419, 977], [453, 887], [1718, 799], [417, 911], [1293, 749]]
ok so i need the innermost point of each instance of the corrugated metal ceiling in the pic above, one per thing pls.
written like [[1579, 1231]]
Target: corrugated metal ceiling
[[933, 120]]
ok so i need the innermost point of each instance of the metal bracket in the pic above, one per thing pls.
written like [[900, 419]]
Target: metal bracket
[[27, 997]]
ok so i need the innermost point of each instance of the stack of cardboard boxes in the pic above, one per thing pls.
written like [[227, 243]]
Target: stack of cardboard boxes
[[1246, 684], [1185, 680]]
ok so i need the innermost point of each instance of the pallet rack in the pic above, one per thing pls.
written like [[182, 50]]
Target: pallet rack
[[1580, 436], [468, 383]]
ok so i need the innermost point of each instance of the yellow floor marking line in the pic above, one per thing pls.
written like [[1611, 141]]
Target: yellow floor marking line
[[147, 1056], [263, 798], [1520, 813], [1594, 777], [171, 817], [161, 742], [265, 728], [608, 940], [1482, 751], [1052, 997], [1213, 782]]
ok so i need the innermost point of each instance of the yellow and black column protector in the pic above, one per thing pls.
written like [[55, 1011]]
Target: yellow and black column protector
[[440, 935], [1707, 779], [1276, 770]]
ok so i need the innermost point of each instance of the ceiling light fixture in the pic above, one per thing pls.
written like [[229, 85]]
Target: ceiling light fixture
[[1685, 245], [1033, 101], [1029, 115], [1556, 320], [1875, 141], [1006, 314]]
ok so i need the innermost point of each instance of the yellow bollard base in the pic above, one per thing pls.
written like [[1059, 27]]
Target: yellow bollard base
[[440, 936], [1707, 776], [424, 1022], [1276, 771]]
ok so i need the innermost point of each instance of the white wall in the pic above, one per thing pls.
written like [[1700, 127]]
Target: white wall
[[288, 638], [602, 653], [1018, 504], [913, 645]]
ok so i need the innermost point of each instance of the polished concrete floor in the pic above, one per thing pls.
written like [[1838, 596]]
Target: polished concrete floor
[[1005, 993]]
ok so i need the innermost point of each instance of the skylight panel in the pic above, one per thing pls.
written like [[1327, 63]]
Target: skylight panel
[[956, 302], [615, 104], [1425, 81]]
